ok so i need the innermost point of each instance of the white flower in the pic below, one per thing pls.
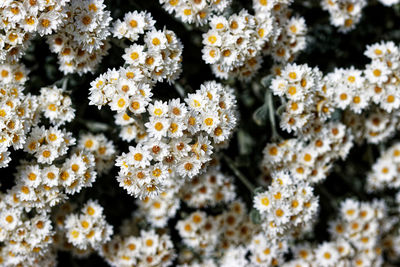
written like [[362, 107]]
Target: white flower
[[326, 255], [156, 40], [135, 55], [377, 72], [139, 156], [158, 127]]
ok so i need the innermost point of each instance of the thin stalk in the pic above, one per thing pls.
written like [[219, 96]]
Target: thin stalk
[[271, 112], [65, 84], [180, 90], [238, 174]]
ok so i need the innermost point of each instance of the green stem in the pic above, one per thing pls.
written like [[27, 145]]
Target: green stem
[[180, 90], [238, 174], [271, 112], [65, 84]]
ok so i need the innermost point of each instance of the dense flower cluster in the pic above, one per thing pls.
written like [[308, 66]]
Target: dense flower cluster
[[25, 239], [21, 20], [205, 190], [385, 171], [38, 188], [375, 126], [129, 90], [195, 11], [379, 77], [102, 149], [81, 42], [18, 112], [48, 144], [158, 59], [344, 14], [235, 45], [209, 189], [179, 138], [309, 160], [132, 25], [89, 228], [356, 235], [306, 106], [147, 249], [290, 37], [57, 105], [160, 209], [287, 205], [226, 44], [217, 235]]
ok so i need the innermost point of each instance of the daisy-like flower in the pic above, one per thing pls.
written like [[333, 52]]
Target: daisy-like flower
[[158, 127], [135, 55], [326, 255], [139, 156]]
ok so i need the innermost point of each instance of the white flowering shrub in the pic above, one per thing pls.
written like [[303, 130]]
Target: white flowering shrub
[[199, 133]]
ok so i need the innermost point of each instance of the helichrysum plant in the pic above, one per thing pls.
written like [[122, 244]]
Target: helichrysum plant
[[199, 133]]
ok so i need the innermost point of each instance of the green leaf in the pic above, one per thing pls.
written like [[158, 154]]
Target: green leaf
[[255, 216], [260, 115], [246, 143], [258, 190], [266, 81]]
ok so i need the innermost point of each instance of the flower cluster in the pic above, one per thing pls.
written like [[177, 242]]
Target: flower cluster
[[216, 235], [38, 187], [287, 205], [160, 209], [89, 229], [303, 89], [81, 42], [209, 189], [369, 97], [266, 253], [312, 98], [195, 11], [226, 44], [179, 139], [385, 171], [159, 58], [44, 187], [355, 240], [309, 160], [382, 74], [56, 105], [234, 46], [129, 90], [349, 85], [344, 14], [379, 77], [193, 204], [290, 38], [25, 239], [375, 126], [147, 249], [102, 149], [18, 112], [133, 25], [22, 19], [48, 144]]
